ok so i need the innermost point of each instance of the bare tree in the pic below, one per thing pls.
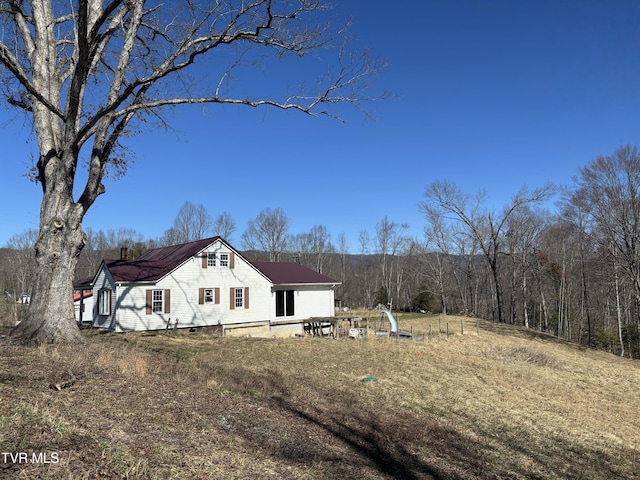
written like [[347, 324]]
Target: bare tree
[[343, 251], [315, 246], [445, 199], [608, 189], [224, 226], [268, 232], [193, 222], [438, 237], [390, 240], [574, 211], [101, 245], [90, 72], [169, 237], [365, 280], [523, 229]]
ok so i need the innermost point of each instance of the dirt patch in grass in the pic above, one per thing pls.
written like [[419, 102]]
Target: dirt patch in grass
[[481, 404]]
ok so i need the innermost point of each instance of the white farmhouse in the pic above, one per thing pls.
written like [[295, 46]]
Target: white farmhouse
[[207, 283]]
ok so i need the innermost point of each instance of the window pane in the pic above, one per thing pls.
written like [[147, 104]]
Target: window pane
[[211, 259], [104, 299], [224, 259], [280, 303], [158, 296], [289, 302], [208, 295], [239, 298]]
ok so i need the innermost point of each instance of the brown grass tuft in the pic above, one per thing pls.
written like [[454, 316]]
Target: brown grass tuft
[[521, 353]]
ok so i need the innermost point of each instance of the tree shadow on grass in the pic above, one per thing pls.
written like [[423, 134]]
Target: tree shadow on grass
[[348, 438], [372, 442], [352, 432]]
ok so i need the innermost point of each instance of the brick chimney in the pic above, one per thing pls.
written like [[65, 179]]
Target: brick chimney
[[123, 253]]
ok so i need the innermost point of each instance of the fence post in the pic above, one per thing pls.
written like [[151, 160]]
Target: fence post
[[461, 327]]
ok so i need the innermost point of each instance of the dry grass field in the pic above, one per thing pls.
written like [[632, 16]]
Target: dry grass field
[[496, 402]]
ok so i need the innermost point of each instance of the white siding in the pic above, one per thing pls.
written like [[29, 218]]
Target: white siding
[[309, 301], [87, 312], [314, 302], [184, 284], [129, 310], [104, 280]]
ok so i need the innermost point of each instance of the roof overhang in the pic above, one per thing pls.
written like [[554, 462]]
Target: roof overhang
[[327, 284]]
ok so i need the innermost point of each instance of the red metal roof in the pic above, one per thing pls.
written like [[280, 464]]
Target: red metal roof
[[176, 253], [87, 294], [137, 270], [154, 264], [290, 273]]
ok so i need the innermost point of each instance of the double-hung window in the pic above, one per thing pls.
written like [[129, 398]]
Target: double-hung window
[[158, 301], [209, 295], [239, 298], [157, 305], [104, 301], [217, 259]]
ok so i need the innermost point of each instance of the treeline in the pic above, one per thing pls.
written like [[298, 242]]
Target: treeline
[[573, 272]]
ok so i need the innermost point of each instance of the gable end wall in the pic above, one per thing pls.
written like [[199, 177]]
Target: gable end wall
[[185, 284]]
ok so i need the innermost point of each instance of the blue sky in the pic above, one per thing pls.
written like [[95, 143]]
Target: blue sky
[[490, 95]]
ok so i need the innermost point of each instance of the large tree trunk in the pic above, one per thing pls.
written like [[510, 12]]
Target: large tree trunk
[[50, 317]]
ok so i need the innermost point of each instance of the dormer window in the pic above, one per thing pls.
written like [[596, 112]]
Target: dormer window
[[217, 259]]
